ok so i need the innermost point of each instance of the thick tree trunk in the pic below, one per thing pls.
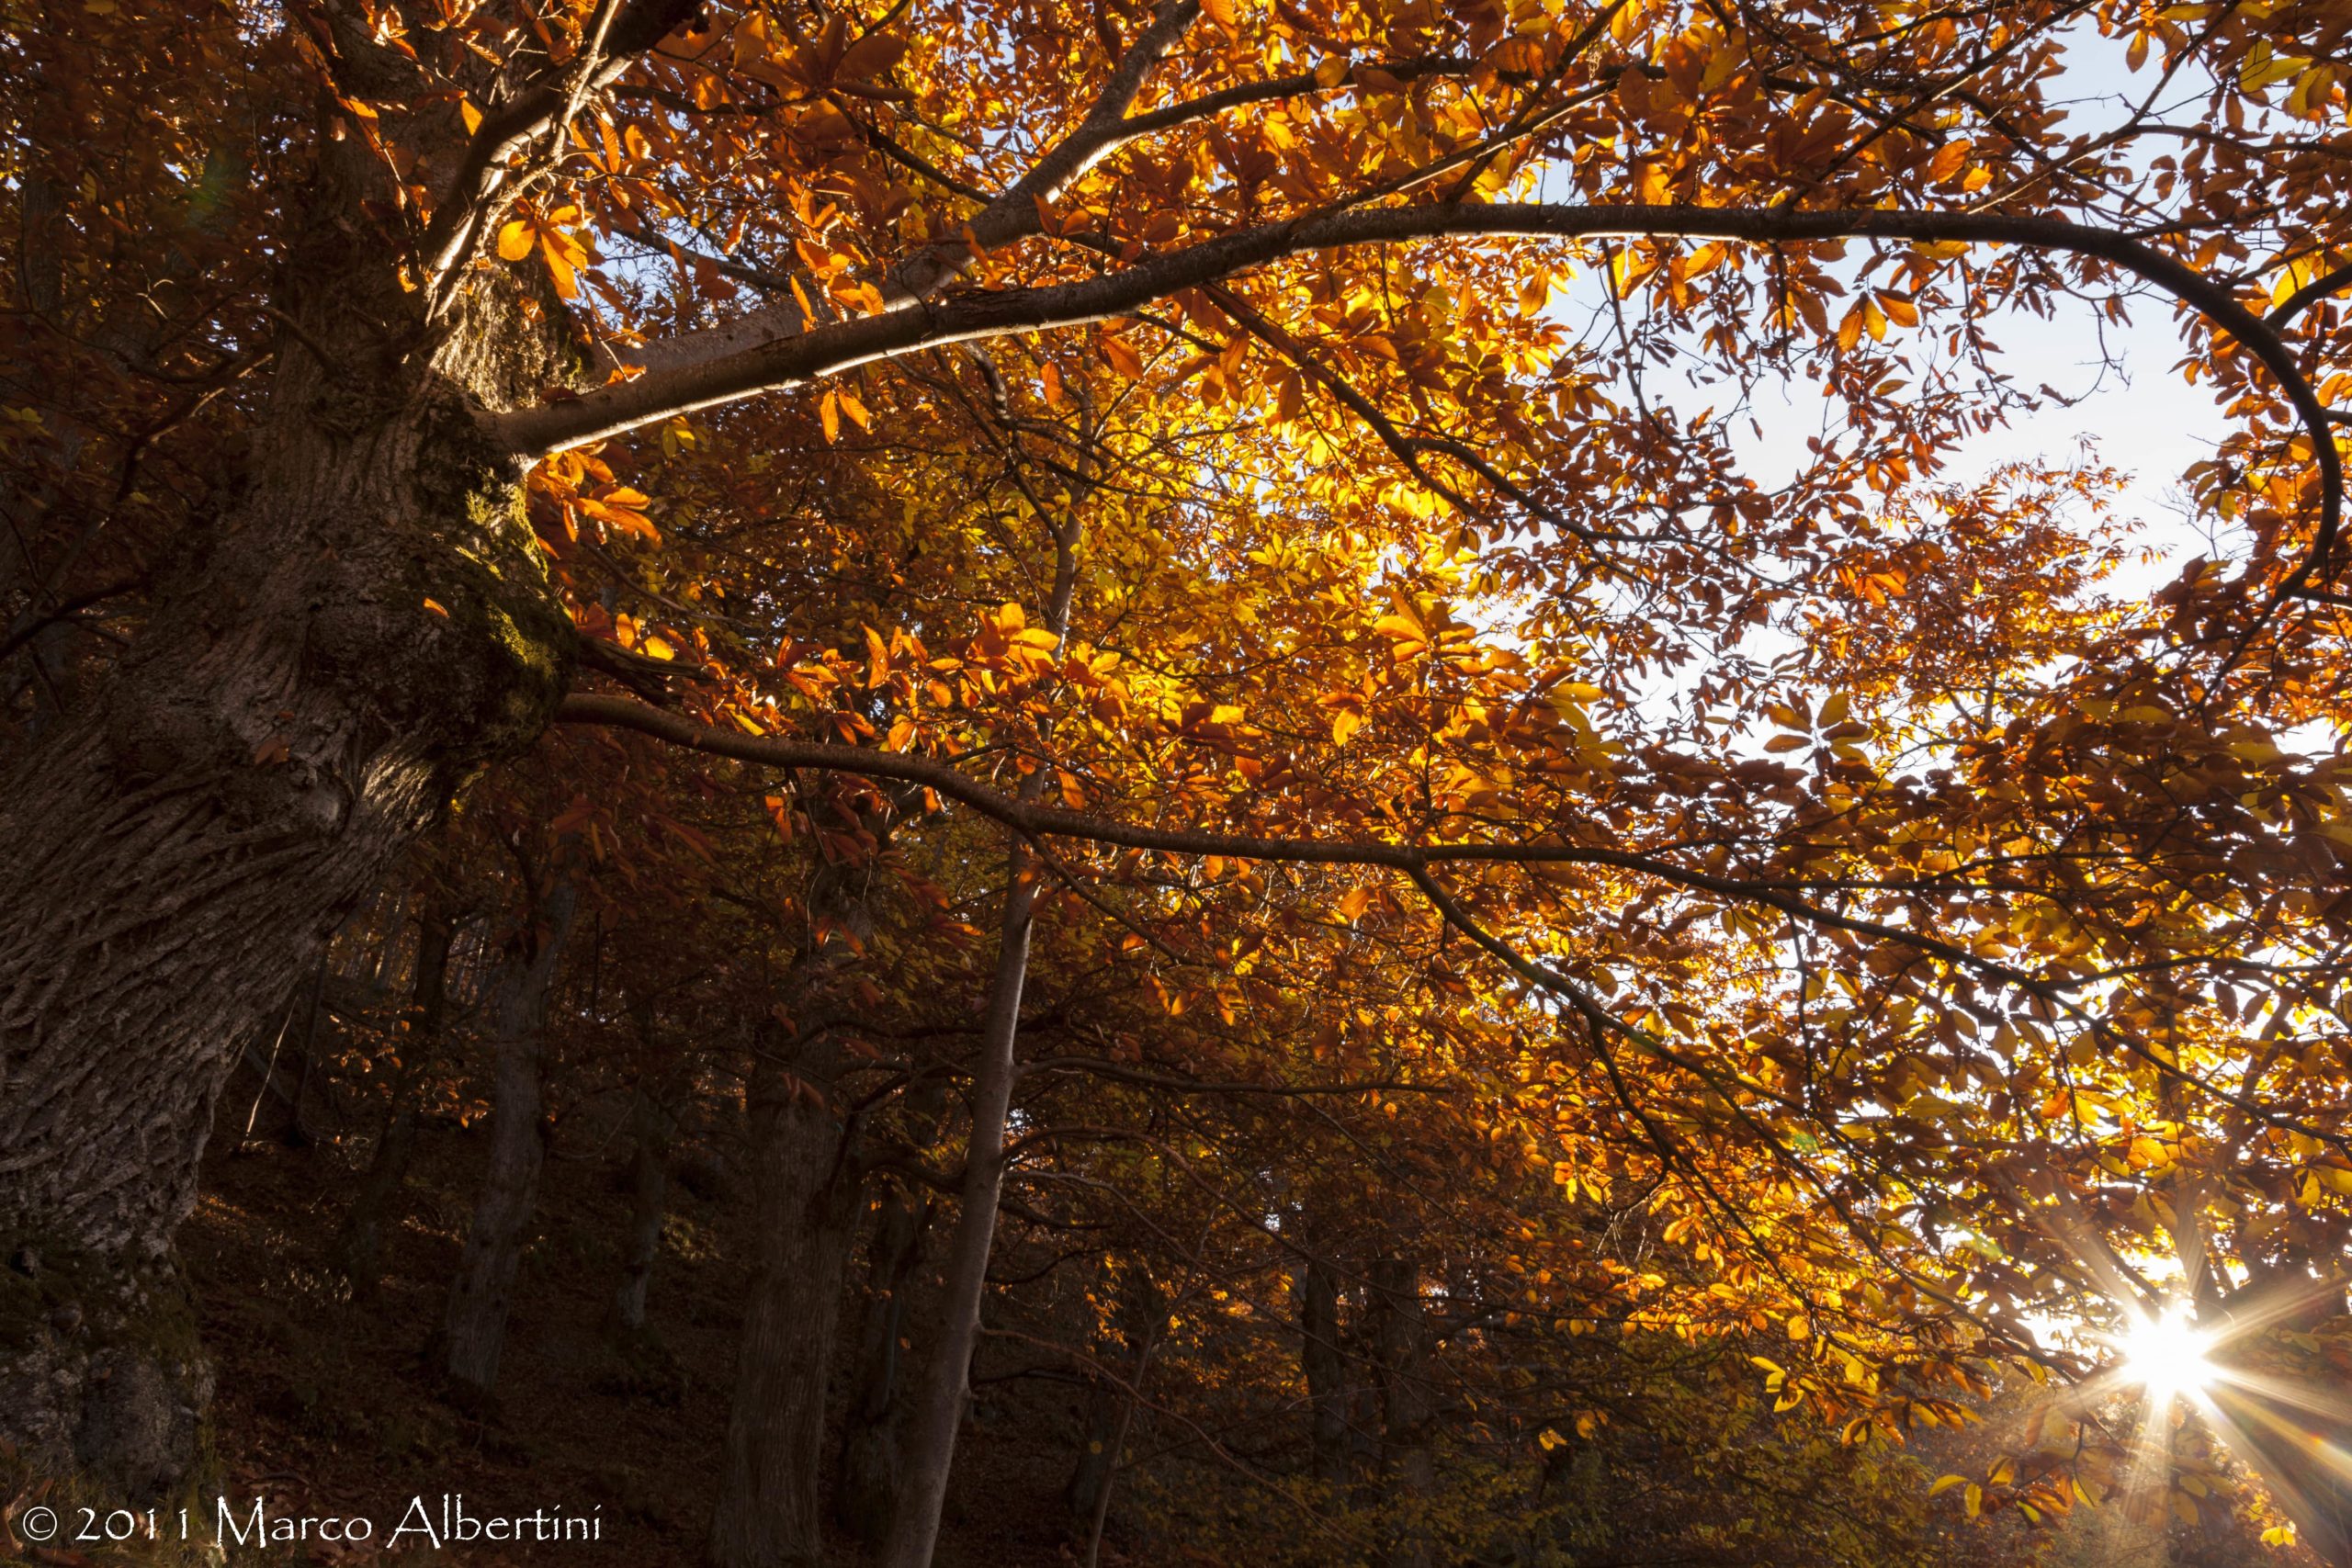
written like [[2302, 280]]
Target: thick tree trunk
[[1325, 1374], [482, 1294], [360, 623], [652, 1124], [804, 1183], [358, 1251], [866, 1486]]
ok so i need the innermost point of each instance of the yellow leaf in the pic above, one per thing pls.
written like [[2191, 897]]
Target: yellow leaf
[[473, 117], [514, 240], [1353, 903], [829, 412], [1344, 724]]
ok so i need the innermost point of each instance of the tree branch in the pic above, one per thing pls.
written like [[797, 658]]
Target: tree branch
[[798, 359], [458, 217]]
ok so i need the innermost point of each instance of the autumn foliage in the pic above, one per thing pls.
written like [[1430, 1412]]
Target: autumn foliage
[[1190, 659]]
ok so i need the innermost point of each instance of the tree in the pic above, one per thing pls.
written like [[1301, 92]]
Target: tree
[[304, 295]]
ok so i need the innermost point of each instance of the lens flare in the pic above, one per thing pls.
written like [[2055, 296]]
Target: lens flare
[[2166, 1355]]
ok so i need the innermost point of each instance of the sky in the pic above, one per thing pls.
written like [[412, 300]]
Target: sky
[[2134, 406]]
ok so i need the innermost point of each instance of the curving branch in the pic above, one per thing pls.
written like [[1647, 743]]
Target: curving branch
[[798, 359], [1035, 821]]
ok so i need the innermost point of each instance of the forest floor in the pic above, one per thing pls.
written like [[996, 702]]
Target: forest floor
[[328, 1408]]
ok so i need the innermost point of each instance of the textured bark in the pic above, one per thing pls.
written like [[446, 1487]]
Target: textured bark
[[482, 1296], [1324, 1370], [865, 1486], [358, 1251], [652, 1125], [356, 623], [805, 1187]]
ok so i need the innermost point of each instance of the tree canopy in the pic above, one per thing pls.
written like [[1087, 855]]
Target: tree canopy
[[1206, 580]]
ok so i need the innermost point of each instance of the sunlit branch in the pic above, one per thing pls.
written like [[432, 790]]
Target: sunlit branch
[[803, 356]]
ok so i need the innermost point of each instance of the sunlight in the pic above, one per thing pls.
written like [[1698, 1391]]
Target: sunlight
[[2168, 1355]]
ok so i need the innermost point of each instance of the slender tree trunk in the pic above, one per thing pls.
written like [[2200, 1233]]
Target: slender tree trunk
[[1406, 1407], [655, 1125], [359, 1249], [805, 1184], [482, 1294], [867, 1482], [1109, 1406], [939, 1409], [1326, 1372]]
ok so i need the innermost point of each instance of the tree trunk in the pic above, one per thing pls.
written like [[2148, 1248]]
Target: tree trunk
[[1325, 1374], [359, 1249], [653, 1125], [1406, 1407], [361, 623], [866, 1487], [481, 1297], [805, 1185], [939, 1409], [1109, 1405]]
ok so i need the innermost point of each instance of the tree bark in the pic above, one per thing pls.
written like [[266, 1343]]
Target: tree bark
[[1109, 1406], [805, 1185], [362, 623], [481, 1297], [359, 1249], [867, 1481]]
